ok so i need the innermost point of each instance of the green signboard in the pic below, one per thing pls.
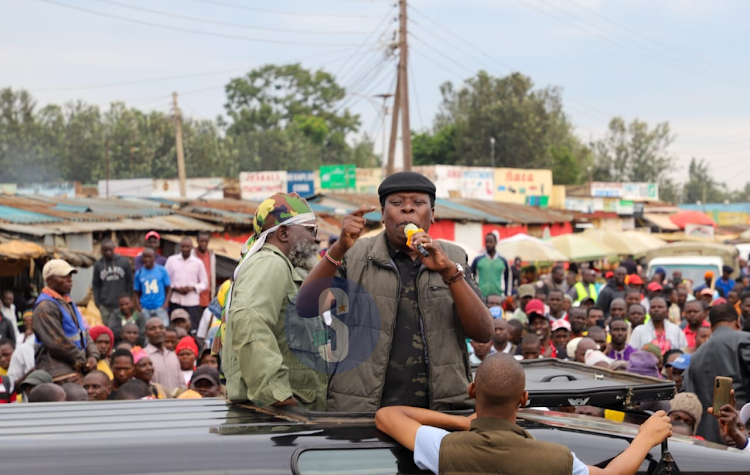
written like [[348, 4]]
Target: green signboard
[[338, 177]]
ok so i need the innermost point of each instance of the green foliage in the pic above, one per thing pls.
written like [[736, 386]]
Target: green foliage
[[529, 127], [701, 186], [279, 117], [633, 152]]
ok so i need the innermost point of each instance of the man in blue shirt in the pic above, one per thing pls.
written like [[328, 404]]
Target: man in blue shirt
[[492, 271], [152, 288], [499, 389], [725, 283]]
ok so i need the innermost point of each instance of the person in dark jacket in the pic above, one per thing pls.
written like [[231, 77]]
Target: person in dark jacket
[[113, 277], [726, 353], [7, 330], [64, 348], [615, 289]]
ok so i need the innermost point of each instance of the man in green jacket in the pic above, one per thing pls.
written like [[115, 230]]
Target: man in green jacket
[[413, 304], [257, 360]]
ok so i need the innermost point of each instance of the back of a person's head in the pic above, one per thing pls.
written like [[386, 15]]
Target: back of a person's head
[[133, 389], [122, 353], [597, 332], [47, 392], [724, 313], [74, 392], [500, 381], [531, 339]]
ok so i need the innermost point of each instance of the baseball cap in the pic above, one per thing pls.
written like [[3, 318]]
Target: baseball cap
[[727, 269], [707, 291], [745, 413], [719, 301], [594, 357], [654, 287], [496, 312], [57, 267], [635, 279], [560, 324], [205, 372], [152, 234], [35, 378], [535, 306], [179, 313], [526, 290], [708, 275], [682, 362]]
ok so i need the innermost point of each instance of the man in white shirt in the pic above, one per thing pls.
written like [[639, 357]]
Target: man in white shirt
[[188, 277], [659, 330], [499, 390]]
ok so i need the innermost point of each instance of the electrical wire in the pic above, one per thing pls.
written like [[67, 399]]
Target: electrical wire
[[280, 12], [437, 63], [654, 41], [189, 30], [233, 25], [416, 94], [349, 63]]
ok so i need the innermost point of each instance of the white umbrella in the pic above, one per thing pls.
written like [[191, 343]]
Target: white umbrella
[[579, 248], [618, 241], [647, 240], [529, 250], [521, 237]]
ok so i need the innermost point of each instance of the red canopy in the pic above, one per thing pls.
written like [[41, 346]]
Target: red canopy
[[683, 218]]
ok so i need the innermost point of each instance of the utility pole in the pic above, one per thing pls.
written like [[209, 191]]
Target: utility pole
[[385, 98], [492, 151], [401, 100], [178, 146], [106, 151]]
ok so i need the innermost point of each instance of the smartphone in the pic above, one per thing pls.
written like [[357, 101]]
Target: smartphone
[[722, 387]]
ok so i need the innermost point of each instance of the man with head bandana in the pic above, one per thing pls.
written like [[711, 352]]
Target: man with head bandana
[[256, 359], [426, 306]]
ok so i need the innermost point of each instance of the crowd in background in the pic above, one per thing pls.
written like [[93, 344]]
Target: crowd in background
[[661, 326], [159, 319]]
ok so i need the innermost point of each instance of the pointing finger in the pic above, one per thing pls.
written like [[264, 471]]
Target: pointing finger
[[364, 209]]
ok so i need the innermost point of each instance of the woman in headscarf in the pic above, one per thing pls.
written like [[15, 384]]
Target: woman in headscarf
[[144, 370], [104, 340]]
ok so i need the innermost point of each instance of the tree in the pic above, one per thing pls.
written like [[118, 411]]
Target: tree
[[701, 186], [529, 127], [633, 152], [286, 117]]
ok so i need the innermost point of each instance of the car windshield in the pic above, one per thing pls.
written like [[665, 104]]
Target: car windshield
[[692, 272]]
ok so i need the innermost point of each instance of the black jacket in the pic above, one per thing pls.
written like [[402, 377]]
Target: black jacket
[[726, 353], [7, 332], [112, 278], [607, 295]]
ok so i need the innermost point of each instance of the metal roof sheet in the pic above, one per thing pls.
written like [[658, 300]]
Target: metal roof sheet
[[469, 212], [173, 223], [21, 216], [71, 208], [516, 213]]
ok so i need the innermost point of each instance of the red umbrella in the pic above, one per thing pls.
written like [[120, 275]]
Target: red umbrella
[[683, 218]]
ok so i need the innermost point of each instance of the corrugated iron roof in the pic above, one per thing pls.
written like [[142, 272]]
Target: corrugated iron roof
[[22, 216], [172, 223], [516, 213]]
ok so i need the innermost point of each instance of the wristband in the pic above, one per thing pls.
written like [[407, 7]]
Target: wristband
[[332, 260]]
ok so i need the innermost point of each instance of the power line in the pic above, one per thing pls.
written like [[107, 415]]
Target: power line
[[377, 28], [652, 40], [233, 25], [188, 30], [443, 55], [438, 63], [280, 12], [416, 94]]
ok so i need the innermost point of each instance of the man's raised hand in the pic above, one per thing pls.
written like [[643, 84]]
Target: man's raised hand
[[351, 230]]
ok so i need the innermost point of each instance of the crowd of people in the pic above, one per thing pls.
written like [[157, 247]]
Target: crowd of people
[[152, 343], [664, 326], [371, 322]]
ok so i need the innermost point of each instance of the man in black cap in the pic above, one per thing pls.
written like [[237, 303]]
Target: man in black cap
[[423, 307]]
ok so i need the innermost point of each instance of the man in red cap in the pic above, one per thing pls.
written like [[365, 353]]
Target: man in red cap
[[152, 240], [540, 325]]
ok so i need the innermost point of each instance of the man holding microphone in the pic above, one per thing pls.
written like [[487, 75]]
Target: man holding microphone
[[425, 304]]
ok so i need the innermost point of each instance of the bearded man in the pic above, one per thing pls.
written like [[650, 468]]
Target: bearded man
[[257, 361]]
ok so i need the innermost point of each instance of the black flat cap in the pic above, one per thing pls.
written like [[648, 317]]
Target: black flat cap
[[408, 182]]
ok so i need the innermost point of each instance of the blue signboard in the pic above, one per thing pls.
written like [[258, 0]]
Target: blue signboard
[[301, 182]]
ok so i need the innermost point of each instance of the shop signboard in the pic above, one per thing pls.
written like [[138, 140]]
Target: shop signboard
[[478, 183], [301, 182], [257, 186], [338, 177], [514, 185]]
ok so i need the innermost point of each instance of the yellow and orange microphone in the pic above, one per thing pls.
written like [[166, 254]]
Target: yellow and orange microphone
[[411, 229]]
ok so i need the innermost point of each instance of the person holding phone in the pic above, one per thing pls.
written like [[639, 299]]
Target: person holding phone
[[489, 441], [733, 423], [726, 353]]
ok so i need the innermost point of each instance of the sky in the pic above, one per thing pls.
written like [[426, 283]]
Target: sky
[[681, 61]]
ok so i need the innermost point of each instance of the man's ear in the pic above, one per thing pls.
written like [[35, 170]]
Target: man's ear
[[524, 399], [472, 390], [432, 216], [282, 234]]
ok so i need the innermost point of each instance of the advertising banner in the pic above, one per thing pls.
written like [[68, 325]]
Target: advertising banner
[[699, 231], [50, 190], [301, 182], [338, 177], [369, 179], [514, 185], [478, 183], [257, 186]]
